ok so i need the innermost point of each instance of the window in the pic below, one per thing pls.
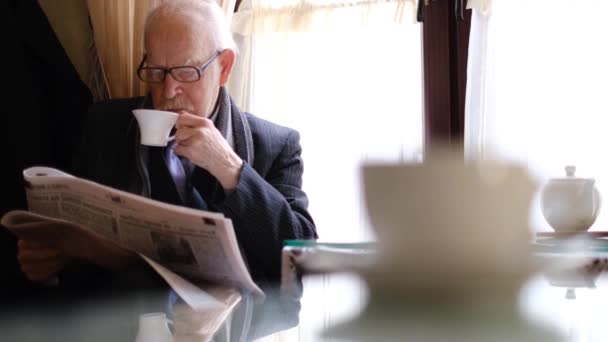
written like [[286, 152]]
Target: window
[[348, 77], [537, 91]]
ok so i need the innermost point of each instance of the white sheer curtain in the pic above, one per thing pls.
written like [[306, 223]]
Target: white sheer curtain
[[348, 76], [537, 88], [118, 26]]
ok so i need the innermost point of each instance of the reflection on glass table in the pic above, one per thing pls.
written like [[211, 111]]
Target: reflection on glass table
[[330, 300], [53, 314]]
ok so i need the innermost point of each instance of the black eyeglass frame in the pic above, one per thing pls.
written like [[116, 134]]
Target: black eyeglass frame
[[199, 70]]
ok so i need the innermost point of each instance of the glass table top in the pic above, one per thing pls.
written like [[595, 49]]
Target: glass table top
[[572, 308], [570, 305]]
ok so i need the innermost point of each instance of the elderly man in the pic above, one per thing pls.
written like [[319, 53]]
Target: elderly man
[[235, 163]]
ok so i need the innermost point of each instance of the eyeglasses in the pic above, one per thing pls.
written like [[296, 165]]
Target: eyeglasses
[[180, 73]]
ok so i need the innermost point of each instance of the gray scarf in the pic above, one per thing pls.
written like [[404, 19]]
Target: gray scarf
[[223, 121], [228, 119]]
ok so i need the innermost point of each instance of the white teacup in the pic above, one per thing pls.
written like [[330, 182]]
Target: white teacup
[[155, 126], [446, 221]]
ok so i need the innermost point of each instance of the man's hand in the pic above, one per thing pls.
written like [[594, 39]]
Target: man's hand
[[39, 261], [199, 140]]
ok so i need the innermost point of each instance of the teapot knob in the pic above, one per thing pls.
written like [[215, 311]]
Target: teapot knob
[[570, 170]]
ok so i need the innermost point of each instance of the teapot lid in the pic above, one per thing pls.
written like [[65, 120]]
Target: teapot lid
[[570, 175], [570, 170]]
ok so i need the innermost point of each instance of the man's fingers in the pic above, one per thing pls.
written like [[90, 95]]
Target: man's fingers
[[42, 274], [31, 244], [34, 254], [190, 120], [45, 267], [38, 261], [42, 270], [185, 133]]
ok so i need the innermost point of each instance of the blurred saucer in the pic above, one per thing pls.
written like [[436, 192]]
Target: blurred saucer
[[436, 325], [593, 235]]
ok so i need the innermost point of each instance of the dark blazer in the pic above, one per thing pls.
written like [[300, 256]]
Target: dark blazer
[[267, 207]]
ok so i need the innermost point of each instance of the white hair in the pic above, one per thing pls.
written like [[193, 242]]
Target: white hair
[[205, 15]]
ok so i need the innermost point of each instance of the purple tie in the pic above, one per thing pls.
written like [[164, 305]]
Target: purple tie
[[176, 168]]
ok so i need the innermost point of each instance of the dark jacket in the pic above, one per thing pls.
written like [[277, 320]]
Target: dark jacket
[[267, 207]]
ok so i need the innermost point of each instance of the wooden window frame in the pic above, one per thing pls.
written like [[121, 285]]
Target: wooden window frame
[[445, 40], [445, 55]]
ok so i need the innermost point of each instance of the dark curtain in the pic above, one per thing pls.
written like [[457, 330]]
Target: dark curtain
[[43, 104]]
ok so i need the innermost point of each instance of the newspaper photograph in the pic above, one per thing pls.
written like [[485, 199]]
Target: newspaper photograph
[[196, 244]]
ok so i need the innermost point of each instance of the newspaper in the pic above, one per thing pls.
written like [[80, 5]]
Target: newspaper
[[83, 218]]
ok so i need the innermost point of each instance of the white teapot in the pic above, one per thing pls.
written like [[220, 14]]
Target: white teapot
[[570, 204]]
